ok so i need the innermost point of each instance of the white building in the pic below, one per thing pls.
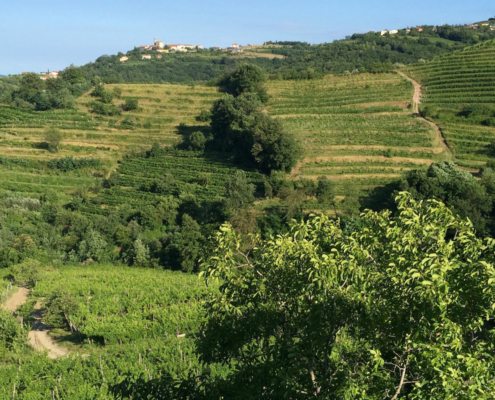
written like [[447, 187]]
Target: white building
[[123, 59], [181, 47], [384, 32], [146, 57], [393, 32]]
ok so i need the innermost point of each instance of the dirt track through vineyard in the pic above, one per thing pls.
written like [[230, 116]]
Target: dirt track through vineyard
[[38, 337], [438, 138]]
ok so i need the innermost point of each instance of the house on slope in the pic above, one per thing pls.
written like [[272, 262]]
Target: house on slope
[[146, 57], [384, 32], [49, 75], [394, 32], [123, 59]]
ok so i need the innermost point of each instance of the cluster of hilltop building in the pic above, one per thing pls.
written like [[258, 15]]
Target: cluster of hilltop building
[[160, 47]]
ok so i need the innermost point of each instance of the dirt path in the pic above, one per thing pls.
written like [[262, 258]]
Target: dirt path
[[16, 300], [38, 336], [438, 138]]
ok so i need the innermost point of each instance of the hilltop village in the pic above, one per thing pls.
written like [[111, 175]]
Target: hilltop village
[[160, 47]]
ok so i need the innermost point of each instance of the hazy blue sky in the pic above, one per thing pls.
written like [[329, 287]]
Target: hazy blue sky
[[39, 35]]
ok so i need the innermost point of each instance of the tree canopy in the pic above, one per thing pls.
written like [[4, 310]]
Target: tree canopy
[[456, 187], [247, 78], [241, 127], [403, 306]]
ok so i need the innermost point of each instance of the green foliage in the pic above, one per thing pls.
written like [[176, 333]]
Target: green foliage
[[456, 187], [93, 248], [239, 192], [26, 273], [247, 78], [239, 126], [189, 244], [325, 192], [400, 307], [197, 141], [59, 307], [98, 107], [33, 92], [130, 104], [11, 336], [53, 138], [204, 116], [70, 163]]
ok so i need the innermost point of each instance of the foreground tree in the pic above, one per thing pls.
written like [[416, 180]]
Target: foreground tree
[[402, 308]]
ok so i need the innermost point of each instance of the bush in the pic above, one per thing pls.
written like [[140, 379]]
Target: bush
[[10, 331], [100, 108], [26, 273], [197, 141], [204, 116], [130, 104]]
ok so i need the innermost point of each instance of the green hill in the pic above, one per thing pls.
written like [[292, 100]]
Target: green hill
[[459, 95], [369, 52]]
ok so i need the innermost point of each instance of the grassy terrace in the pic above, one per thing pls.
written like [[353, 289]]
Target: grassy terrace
[[358, 127], [456, 82], [162, 108]]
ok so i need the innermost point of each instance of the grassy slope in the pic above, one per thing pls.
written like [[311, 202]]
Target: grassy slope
[[456, 81], [356, 127], [162, 108]]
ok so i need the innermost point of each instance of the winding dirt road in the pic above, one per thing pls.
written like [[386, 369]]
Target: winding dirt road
[[38, 337], [438, 138]]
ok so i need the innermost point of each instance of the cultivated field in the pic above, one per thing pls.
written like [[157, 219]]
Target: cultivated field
[[126, 323], [359, 127], [457, 87], [162, 110]]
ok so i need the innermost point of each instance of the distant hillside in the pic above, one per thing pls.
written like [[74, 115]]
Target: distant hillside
[[369, 52], [459, 94]]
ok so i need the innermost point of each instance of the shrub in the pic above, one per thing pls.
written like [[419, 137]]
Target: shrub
[[197, 141], [130, 104]]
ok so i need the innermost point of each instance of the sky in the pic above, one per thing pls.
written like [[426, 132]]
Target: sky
[[50, 35]]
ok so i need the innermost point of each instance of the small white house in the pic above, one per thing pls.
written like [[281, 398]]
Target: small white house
[[146, 57], [123, 59], [393, 32], [384, 32]]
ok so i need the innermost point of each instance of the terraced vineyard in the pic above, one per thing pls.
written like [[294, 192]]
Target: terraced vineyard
[[360, 128], [162, 110], [131, 323], [456, 87], [141, 181]]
